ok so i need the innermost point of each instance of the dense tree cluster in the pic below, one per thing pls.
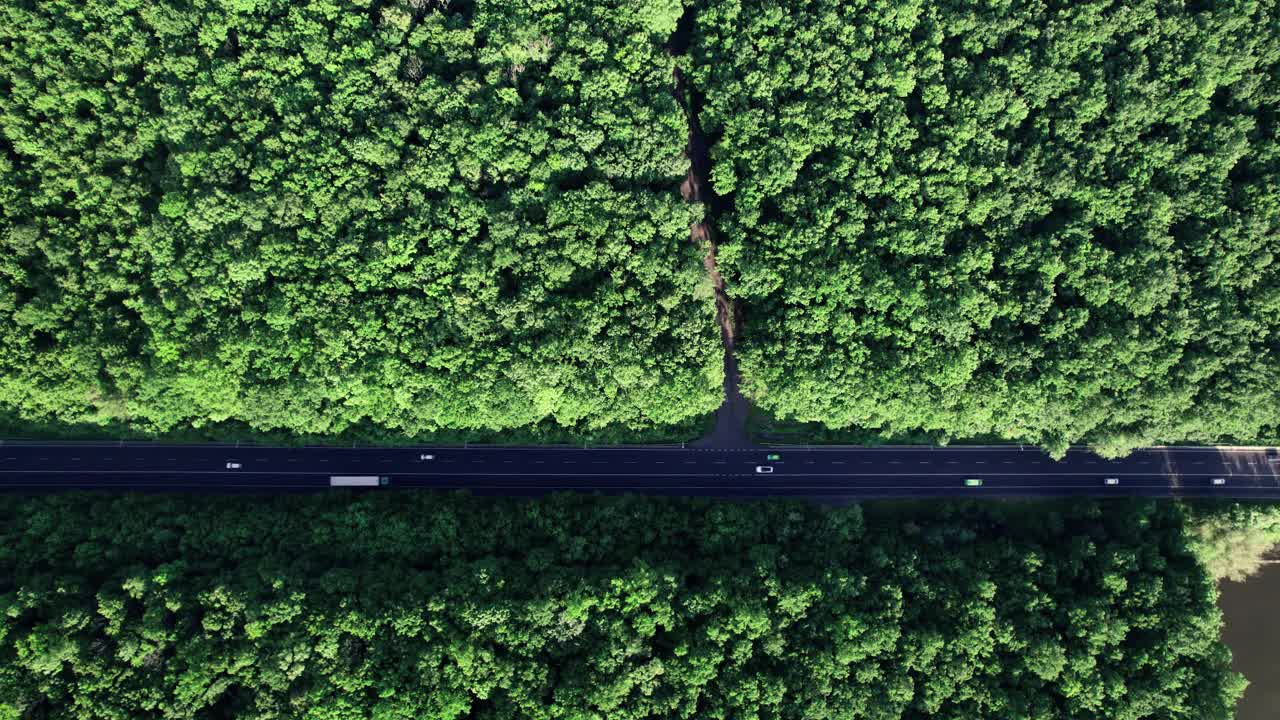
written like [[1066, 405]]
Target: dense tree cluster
[[1233, 540], [414, 213], [421, 606], [1043, 221]]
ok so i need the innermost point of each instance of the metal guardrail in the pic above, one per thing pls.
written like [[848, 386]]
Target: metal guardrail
[[1010, 446], [247, 444], [589, 446]]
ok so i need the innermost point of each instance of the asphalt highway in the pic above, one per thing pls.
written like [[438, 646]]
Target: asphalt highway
[[1004, 471]]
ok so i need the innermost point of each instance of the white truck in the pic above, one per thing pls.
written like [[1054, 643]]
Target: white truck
[[358, 480]]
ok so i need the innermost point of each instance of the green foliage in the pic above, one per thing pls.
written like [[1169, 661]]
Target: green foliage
[[436, 606], [1049, 223], [418, 214], [1233, 541]]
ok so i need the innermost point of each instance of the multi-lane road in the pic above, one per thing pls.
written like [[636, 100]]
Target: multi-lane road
[[814, 472]]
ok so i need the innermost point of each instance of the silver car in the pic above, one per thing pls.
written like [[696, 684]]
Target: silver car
[[764, 469]]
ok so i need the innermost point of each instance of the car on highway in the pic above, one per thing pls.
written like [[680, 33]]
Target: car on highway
[[1111, 481], [233, 465], [764, 469], [1219, 481], [426, 456], [973, 482], [773, 456]]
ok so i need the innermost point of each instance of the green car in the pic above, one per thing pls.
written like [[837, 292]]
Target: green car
[[773, 456], [973, 482]]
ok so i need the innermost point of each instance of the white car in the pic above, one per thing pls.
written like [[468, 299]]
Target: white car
[[233, 466], [426, 456], [1111, 481], [1219, 481], [764, 469]]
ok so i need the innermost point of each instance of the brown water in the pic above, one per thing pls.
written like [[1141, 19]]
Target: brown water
[[1252, 632]]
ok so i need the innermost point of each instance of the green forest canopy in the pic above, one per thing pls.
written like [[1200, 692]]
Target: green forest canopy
[[1044, 222], [309, 215], [422, 606], [1040, 221]]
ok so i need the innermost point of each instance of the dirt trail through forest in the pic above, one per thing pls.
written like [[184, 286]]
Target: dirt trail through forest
[[731, 418]]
